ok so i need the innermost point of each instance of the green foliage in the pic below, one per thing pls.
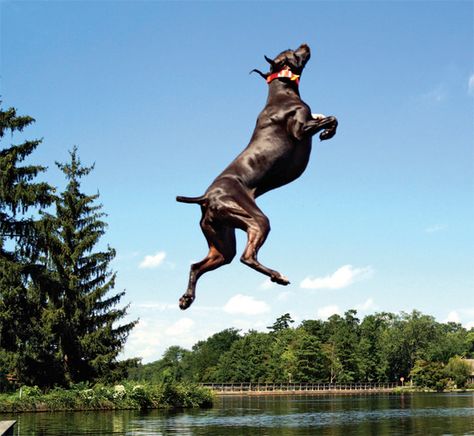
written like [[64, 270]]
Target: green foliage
[[429, 374], [124, 396], [458, 370], [381, 348]]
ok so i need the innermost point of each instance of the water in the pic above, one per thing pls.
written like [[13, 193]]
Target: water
[[381, 414]]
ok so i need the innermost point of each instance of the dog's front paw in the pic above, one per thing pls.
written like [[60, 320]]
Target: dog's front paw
[[327, 134]]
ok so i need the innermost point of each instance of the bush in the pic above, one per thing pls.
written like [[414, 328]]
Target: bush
[[126, 396], [458, 370]]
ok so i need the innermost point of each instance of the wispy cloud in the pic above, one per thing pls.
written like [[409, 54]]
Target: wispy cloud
[[153, 261], [470, 85], [438, 94], [180, 327], [345, 276], [284, 295], [435, 228], [245, 305], [326, 311], [266, 285], [161, 307], [366, 306]]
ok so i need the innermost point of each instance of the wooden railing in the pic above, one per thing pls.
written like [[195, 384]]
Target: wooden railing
[[297, 387]]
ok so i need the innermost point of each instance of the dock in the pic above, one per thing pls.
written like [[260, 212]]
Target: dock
[[298, 388], [6, 428]]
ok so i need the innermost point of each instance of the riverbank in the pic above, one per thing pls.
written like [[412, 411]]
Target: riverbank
[[416, 390], [125, 396]]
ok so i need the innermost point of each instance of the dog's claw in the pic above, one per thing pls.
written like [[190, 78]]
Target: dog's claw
[[185, 301]]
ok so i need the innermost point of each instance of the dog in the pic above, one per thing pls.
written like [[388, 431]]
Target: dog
[[277, 154]]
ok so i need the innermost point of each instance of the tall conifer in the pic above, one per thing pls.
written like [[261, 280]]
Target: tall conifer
[[20, 197], [84, 316]]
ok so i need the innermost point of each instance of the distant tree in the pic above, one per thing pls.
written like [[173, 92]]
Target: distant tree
[[312, 364], [23, 345], [201, 363], [429, 375], [281, 323], [451, 340], [458, 370], [410, 338], [248, 360], [82, 316], [343, 341], [171, 366], [373, 363]]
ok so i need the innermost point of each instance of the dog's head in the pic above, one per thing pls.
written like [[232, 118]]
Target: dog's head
[[293, 60]]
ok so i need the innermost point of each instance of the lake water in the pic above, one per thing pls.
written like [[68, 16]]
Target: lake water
[[375, 414]]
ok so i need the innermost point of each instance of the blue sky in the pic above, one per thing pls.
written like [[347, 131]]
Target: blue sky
[[158, 95]]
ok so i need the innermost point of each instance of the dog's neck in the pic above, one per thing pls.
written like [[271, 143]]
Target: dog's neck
[[280, 86]]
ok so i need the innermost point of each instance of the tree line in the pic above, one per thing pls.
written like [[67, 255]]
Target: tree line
[[383, 347], [59, 318]]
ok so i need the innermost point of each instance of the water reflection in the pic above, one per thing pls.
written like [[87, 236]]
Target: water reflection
[[421, 414]]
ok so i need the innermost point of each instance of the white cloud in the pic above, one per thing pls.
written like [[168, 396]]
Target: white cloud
[[245, 305], [153, 261], [180, 327], [470, 85], [469, 325], [453, 316], [366, 306], [326, 311], [143, 341], [345, 276]]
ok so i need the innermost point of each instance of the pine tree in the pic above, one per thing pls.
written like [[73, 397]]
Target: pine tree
[[20, 197], [82, 316]]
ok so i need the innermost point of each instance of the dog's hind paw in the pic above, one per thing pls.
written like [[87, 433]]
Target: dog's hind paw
[[280, 279], [185, 301]]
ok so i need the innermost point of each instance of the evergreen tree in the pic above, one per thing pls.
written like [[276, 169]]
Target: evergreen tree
[[283, 322], [21, 339], [311, 363], [82, 315]]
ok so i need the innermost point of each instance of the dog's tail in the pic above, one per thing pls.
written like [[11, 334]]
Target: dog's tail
[[197, 200]]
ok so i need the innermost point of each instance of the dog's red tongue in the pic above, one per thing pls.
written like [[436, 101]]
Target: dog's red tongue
[[284, 73]]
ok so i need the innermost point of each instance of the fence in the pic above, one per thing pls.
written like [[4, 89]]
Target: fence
[[297, 387]]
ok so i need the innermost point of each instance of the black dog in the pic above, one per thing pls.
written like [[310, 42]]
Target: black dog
[[277, 154]]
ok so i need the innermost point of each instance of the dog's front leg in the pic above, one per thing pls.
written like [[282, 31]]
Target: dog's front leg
[[327, 124], [300, 126]]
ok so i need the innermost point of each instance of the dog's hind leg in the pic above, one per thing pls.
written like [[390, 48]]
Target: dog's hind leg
[[246, 215], [257, 232], [221, 241]]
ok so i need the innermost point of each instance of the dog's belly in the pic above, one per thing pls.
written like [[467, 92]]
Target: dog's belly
[[267, 165], [284, 170]]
